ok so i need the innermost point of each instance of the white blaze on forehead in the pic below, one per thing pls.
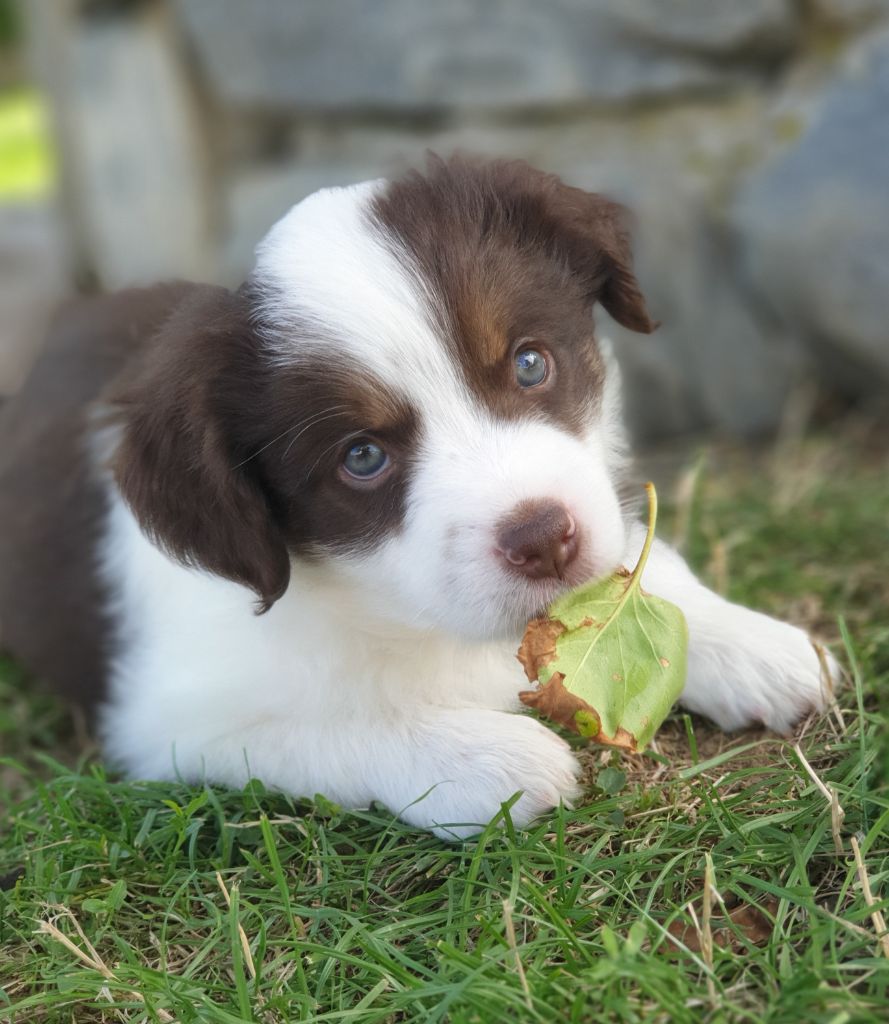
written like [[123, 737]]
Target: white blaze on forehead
[[333, 282]]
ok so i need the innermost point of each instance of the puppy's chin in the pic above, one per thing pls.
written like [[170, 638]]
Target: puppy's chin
[[508, 613]]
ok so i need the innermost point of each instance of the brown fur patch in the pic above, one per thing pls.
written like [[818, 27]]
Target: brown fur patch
[[312, 413], [227, 462], [512, 254], [51, 505], [230, 462], [183, 411]]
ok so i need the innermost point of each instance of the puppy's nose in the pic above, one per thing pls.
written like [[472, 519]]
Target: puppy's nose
[[538, 539]]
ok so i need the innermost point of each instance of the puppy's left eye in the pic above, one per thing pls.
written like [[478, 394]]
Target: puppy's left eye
[[365, 460], [531, 367]]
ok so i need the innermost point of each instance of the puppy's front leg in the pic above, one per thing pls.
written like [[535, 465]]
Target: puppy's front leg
[[743, 667], [456, 767], [443, 769]]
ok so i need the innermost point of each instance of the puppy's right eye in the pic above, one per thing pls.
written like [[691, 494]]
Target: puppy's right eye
[[365, 460], [531, 367]]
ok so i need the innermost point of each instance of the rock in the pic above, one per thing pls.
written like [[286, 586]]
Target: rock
[[762, 225], [137, 198], [813, 223], [713, 363], [756, 27], [851, 12], [339, 54]]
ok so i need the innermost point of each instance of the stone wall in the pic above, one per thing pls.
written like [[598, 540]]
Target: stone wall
[[750, 138]]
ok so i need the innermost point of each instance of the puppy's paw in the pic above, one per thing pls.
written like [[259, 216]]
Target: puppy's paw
[[746, 668], [476, 762]]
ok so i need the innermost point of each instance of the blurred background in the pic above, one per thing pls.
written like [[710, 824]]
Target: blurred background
[[148, 139]]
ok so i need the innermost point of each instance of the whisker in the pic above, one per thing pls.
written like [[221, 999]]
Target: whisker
[[296, 437], [330, 447], [314, 418]]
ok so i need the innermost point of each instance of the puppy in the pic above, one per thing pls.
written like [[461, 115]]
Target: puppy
[[294, 532]]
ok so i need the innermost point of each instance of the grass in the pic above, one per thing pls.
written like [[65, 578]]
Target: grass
[[145, 902]]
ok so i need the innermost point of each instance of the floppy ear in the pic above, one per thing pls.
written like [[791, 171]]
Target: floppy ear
[[591, 233], [179, 465], [603, 225], [595, 233]]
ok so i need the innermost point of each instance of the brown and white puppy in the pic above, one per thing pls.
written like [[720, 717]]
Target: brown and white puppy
[[295, 531]]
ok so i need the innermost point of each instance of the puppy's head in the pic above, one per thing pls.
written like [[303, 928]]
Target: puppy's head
[[408, 392]]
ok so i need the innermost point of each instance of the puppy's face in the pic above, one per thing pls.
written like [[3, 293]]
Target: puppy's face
[[422, 405]]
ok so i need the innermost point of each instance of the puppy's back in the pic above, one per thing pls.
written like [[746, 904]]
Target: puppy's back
[[51, 500]]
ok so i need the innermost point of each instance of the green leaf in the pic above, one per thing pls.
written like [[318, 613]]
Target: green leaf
[[611, 658], [611, 780]]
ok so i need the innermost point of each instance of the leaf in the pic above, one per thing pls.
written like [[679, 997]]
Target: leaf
[[611, 659], [611, 781]]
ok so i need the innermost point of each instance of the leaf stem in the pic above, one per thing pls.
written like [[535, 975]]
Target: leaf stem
[[649, 536], [633, 582]]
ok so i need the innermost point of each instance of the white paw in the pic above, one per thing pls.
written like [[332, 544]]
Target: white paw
[[475, 760], [746, 668]]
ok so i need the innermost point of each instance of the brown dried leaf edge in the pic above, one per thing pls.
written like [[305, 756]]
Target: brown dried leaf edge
[[564, 708]]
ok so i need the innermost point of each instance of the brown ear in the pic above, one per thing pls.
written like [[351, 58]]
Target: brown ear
[[596, 234], [604, 224], [586, 230], [179, 466]]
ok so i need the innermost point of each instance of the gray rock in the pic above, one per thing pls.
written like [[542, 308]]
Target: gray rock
[[852, 11], [761, 27], [134, 184], [139, 163], [813, 223], [713, 363], [335, 54]]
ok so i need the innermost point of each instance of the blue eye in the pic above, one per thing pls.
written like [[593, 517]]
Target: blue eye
[[365, 460], [531, 367]]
